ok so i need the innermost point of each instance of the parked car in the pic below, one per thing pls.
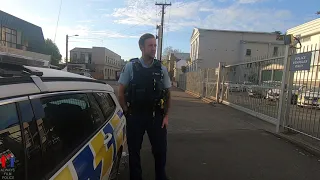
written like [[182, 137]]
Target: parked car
[[256, 91], [273, 94], [232, 87], [246, 85], [59, 125], [267, 89], [296, 90], [309, 99]]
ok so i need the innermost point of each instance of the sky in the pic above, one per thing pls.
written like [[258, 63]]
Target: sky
[[118, 24]]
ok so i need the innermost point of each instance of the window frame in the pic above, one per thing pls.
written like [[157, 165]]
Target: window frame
[[115, 104], [248, 50], [7, 42], [87, 140], [15, 101]]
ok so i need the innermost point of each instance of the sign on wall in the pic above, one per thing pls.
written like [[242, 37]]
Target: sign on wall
[[300, 61]]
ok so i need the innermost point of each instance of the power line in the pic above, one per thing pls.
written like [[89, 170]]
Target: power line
[[55, 34]]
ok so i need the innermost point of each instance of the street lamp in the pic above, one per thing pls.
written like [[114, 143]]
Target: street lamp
[[67, 39]]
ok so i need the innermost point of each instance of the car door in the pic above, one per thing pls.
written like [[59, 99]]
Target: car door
[[71, 126], [113, 141], [12, 148]]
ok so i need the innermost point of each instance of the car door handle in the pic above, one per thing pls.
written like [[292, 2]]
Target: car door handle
[[107, 138]]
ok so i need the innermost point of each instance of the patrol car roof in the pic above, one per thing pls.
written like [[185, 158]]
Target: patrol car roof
[[47, 72], [51, 80]]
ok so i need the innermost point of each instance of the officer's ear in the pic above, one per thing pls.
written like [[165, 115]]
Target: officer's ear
[[141, 48]]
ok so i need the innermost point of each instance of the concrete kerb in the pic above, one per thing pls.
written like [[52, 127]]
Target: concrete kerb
[[301, 144]]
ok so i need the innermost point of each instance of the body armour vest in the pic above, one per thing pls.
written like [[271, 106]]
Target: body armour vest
[[146, 88]]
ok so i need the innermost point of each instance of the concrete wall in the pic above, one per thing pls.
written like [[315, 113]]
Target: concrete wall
[[228, 46]]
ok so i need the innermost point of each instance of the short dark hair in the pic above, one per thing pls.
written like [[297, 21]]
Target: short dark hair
[[144, 37]]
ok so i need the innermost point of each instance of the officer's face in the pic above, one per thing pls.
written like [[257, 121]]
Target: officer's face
[[150, 47]]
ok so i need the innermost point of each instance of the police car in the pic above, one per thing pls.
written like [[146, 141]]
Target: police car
[[58, 125]]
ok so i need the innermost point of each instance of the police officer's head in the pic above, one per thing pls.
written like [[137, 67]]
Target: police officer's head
[[148, 45]]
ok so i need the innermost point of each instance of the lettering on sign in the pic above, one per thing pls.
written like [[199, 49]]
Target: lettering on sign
[[300, 61]]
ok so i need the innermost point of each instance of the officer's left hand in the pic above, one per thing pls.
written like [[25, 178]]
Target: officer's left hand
[[165, 121]]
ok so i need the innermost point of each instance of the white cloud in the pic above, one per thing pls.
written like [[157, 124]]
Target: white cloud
[[205, 14], [249, 1], [111, 34]]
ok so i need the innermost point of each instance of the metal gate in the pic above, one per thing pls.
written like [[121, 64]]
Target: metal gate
[[254, 86], [301, 102]]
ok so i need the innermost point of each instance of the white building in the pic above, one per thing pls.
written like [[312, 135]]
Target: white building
[[309, 34], [104, 62], [209, 47], [176, 61]]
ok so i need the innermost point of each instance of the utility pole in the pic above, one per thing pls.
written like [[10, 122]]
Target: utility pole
[[67, 39], [163, 5], [67, 42], [159, 50]]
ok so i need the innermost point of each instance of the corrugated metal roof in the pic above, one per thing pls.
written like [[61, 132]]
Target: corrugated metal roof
[[31, 32]]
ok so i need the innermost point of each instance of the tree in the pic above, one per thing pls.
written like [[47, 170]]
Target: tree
[[166, 54], [167, 51], [52, 49], [280, 35]]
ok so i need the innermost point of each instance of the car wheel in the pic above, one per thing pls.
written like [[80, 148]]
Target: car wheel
[[114, 174]]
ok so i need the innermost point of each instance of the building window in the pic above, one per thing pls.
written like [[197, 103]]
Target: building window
[[74, 57], [275, 51], [9, 37], [90, 58], [82, 57], [248, 52], [305, 39]]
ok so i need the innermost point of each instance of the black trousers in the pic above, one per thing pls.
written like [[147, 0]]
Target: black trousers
[[137, 124]]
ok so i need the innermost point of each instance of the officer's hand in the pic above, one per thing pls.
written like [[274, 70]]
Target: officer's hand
[[165, 121], [125, 111]]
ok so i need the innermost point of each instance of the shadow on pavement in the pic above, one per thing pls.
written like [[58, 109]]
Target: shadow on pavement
[[208, 142]]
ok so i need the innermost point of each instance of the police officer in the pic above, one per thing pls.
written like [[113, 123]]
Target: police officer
[[145, 98]]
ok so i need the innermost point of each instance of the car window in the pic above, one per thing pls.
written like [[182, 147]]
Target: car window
[[67, 122], [97, 114], [106, 103], [11, 145], [32, 138]]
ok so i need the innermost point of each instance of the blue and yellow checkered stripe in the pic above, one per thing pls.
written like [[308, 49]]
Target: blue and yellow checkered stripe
[[95, 160]]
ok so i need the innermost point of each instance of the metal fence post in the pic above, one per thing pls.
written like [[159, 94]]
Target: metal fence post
[[284, 84], [218, 82], [207, 81], [289, 87]]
